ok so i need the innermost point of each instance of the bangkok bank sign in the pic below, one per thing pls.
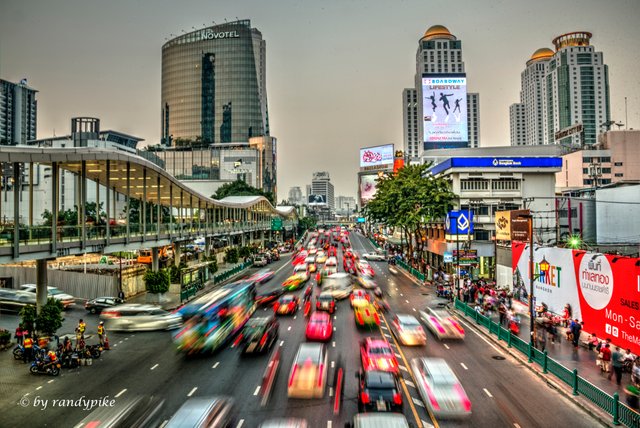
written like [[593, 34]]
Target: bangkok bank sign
[[603, 290]]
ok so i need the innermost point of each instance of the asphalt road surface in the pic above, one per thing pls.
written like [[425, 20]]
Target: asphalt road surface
[[503, 393]]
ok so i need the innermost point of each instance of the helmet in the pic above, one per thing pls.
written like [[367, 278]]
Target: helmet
[[101, 322]]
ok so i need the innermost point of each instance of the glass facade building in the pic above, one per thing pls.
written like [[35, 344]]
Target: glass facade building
[[214, 86]]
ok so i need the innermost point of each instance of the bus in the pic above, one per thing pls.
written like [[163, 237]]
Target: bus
[[213, 319]]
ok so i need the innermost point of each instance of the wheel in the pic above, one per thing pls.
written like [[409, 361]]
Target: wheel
[[18, 353], [93, 311], [55, 371], [33, 369]]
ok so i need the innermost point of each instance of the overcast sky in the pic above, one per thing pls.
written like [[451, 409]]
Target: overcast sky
[[335, 69]]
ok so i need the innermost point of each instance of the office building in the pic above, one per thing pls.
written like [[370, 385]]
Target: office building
[[517, 129], [18, 112], [449, 121], [266, 149], [564, 89], [345, 205], [214, 86], [322, 190], [295, 196]]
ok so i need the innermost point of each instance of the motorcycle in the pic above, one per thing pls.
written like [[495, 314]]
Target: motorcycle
[[70, 360], [92, 351], [39, 366], [18, 351]]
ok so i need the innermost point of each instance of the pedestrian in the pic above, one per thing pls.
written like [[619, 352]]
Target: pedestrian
[[576, 328], [606, 358], [616, 362], [593, 342], [19, 334], [28, 348], [82, 327], [101, 333], [502, 311], [542, 338]]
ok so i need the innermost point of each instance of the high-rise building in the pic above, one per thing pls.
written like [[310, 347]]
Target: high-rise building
[[321, 186], [562, 89], [450, 121], [214, 86], [295, 196], [18, 112], [517, 124], [345, 205]]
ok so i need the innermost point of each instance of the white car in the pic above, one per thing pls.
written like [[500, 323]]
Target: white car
[[374, 256], [439, 388], [67, 300], [302, 270], [137, 317], [442, 324], [408, 330]]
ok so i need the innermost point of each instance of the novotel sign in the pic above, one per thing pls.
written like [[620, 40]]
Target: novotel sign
[[211, 35]]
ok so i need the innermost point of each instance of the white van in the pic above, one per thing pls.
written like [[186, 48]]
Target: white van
[[340, 285]]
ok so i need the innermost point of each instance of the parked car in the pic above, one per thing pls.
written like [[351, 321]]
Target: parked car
[[99, 303], [137, 317], [259, 334], [67, 300]]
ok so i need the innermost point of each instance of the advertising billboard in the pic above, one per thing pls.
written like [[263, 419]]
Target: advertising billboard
[[509, 225], [602, 289], [317, 200], [368, 185], [378, 157], [444, 108]]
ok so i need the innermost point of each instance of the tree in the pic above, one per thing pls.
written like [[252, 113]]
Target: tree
[[307, 223], [241, 188], [231, 256], [156, 282], [410, 199], [47, 322]]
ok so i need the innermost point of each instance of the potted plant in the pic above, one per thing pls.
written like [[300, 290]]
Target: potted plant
[[633, 394]]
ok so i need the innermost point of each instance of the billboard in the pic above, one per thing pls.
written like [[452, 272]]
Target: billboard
[[510, 227], [602, 289], [368, 185], [398, 161], [444, 108], [459, 222], [378, 157], [317, 200]]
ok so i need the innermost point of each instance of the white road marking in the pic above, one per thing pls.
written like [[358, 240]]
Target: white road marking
[[333, 344], [335, 317], [426, 424], [398, 355], [383, 327], [265, 309], [51, 381], [120, 341], [152, 368], [401, 367], [257, 390], [38, 388], [387, 334], [401, 295], [516, 425], [487, 392], [126, 338], [295, 316], [414, 309], [120, 393], [417, 402], [215, 365], [481, 337], [464, 367], [281, 342], [240, 423], [411, 384], [164, 423], [406, 300], [334, 329], [446, 346], [115, 344], [27, 394], [331, 391], [289, 329], [329, 424], [333, 364], [195, 388]]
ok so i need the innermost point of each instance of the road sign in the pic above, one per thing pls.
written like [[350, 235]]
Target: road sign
[[276, 223], [448, 257]]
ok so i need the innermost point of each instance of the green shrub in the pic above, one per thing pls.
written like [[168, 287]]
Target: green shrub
[[213, 266], [5, 337], [231, 255], [157, 282], [47, 322]]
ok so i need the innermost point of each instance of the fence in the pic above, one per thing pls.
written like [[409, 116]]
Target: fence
[[620, 413], [416, 273]]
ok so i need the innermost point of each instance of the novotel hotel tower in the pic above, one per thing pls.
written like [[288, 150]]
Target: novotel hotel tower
[[214, 86]]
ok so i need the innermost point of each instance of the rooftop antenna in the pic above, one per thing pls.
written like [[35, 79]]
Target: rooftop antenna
[[619, 125], [225, 20]]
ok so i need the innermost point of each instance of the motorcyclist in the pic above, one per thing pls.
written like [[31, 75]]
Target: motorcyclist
[[28, 348]]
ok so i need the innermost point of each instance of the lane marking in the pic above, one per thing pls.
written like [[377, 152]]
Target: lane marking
[[414, 309], [446, 346], [516, 425], [153, 368], [401, 367], [417, 402], [195, 388], [487, 392], [126, 338], [401, 295], [215, 365], [333, 344], [295, 316], [51, 381], [265, 309], [115, 344], [397, 355], [408, 382], [406, 300], [289, 329], [38, 388], [335, 329], [331, 391], [464, 367], [329, 424], [335, 317], [120, 393], [383, 327], [282, 343], [387, 334], [240, 423], [164, 423], [333, 364], [480, 336], [257, 390]]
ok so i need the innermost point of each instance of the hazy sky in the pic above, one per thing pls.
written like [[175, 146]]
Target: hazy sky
[[335, 69]]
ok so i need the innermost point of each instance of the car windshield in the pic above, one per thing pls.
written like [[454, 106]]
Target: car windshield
[[287, 299], [55, 291], [379, 350], [308, 353], [325, 298]]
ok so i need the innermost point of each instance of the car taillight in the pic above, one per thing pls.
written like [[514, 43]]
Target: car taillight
[[466, 403], [320, 371], [293, 374], [276, 306], [360, 320], [457, 326], [264, 339], [235, 343], [364, 398], [318, 305], [371, 363], [111, 314], [397, 398], [377, 318]]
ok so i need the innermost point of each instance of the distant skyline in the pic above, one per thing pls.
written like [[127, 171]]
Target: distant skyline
[[335, 69]]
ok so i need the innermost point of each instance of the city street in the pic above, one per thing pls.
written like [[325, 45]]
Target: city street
[[502, 392]]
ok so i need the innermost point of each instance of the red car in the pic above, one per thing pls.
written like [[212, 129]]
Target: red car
[[287, 305], [359, 294], [319, 327], [376, 354]]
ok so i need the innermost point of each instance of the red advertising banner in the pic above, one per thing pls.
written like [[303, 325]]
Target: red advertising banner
[[602, 289]]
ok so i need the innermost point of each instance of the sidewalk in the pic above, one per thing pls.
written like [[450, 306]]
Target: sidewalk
[[171, 301]]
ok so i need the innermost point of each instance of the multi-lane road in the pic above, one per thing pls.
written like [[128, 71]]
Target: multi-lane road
[[503, 392]]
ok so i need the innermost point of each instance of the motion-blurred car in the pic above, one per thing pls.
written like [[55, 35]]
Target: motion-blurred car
[[264, 299], [376, 354], [258, 335], [308, 376], [359, 294], [326, 302], [439, 388], [138, 411], [408, 330], [364, 268], [378, 391], [378, 420], [260, 260], [319, 327], [360, 301], [311, 264], [374, 256], [137, 317], [287, 305], [15, 300], [100, 303], [205, 412], [442, 324], [339, 285], [261, 276], [302, 270], [367, 282], [67, 300], [294, 282], [285, 423], [321, 257], [299, 258], [366, 316]]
